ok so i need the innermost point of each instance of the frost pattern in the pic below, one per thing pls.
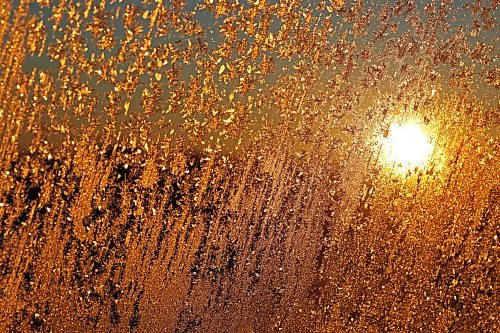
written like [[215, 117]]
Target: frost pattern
[[216, 166]]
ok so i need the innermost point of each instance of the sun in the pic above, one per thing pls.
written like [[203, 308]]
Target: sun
[[407, 145]]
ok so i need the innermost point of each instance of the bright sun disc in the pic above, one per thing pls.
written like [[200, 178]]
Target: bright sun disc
[[407, 145]]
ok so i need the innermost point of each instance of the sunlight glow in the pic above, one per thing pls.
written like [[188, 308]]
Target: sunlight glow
[[407, 145]]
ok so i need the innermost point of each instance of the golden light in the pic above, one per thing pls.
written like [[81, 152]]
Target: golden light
[[407, 145]]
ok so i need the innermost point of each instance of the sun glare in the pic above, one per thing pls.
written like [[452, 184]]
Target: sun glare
[[407, 145]]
